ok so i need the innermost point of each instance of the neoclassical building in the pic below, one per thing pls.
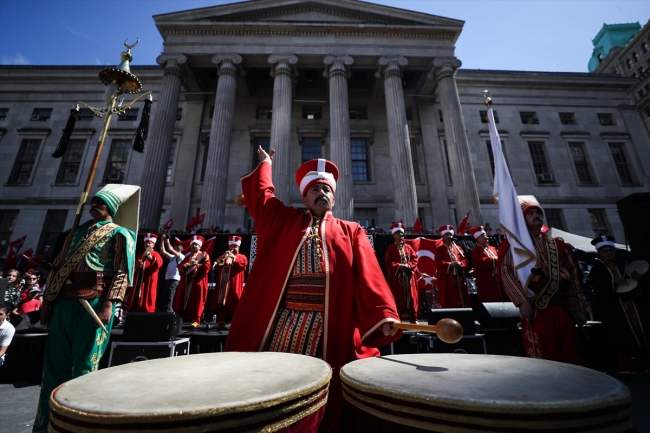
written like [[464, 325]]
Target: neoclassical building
[[378, 90]]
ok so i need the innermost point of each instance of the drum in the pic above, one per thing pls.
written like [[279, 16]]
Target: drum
[[627, 288], [233, 391], [477, 393]]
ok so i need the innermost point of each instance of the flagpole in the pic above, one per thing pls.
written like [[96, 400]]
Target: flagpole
[[118, 80]]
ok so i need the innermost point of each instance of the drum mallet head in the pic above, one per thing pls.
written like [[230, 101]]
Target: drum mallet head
[[448, 330]]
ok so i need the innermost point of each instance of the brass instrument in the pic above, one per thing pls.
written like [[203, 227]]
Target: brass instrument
[[226, 258], [138, 282]]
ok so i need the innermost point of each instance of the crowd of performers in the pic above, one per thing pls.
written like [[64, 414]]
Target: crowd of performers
[[316, 287]]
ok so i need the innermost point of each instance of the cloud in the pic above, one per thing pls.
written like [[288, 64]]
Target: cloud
[[76, 32], [18, 59]]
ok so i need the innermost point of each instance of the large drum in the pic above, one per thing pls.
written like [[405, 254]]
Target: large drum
[[233, 392], [481, 393]]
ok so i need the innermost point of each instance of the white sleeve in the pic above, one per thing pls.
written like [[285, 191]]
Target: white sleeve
[[6, 334]]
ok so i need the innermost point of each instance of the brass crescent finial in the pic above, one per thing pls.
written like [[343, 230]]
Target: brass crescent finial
[[486, 95], [128, 47]]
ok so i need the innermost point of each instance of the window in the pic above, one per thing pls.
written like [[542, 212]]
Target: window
[[366, 217], [116, 167], [170, 162], [263, 113], [409, 113], [620, 160], [490, 154], [71, 162], [41, 114], [635, 56], [162, 221], [360, 170], [53, 227], [25, 161], [555, 219], [7, 223], [567, 118], [646, 110], [598, 221], [85, 115], [580, 162], [484, 116], [179, 113], [360, 113], [206, 148], [528, 117], [605, 119], [440, 116], [129, 115], [641, 71], [3, 113], [641, 93], [265, 142], [311, 113], [540, 165], [645, 47], [311, 148], [628, 62]]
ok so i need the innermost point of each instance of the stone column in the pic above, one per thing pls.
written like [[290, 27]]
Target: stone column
[[215, 182], [406, 202], [160, 141], [340, 152], [460, 160], [282, 71]]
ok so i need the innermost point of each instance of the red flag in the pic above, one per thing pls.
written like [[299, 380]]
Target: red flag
[[18, 243], [168, 225], [191, 223], [462, 227], [208, 245], [545, 228], [211, 229], [200, 218], [27, 256], [11, 260], [185, 244], [426, 269], [417, 226]]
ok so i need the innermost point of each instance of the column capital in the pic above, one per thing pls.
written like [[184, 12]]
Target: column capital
[[391, 66], [227, 63], [442, 67], [163, 59], [283, 64], [337, 64]]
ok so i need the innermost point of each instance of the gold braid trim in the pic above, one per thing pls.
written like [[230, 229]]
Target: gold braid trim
[[543, 298], [58, 280]]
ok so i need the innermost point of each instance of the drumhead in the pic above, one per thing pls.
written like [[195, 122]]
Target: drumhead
[[477, 392], [640, 266], [627, 286], [208, 386]]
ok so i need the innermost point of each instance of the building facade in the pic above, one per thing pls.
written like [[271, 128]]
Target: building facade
[[378, 90]]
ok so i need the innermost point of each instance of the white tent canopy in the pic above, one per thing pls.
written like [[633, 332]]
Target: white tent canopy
[[577, 241]]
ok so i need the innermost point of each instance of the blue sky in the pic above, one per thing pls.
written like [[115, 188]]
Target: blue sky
[[529, 35]]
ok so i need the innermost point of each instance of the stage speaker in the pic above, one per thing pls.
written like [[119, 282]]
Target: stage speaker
[[494, 315], [126, 353], [151, 326], [633, 212], [464, 316]]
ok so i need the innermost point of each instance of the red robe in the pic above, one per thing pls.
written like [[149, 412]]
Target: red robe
[[393, 260], [196, 282], [234, 288], [144, 300], [452, 289], [484, 272], [357, 297]]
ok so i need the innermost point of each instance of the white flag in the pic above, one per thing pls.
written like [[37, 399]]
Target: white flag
[[511, 217]]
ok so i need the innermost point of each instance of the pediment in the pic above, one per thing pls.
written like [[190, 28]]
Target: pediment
[[306, 12]]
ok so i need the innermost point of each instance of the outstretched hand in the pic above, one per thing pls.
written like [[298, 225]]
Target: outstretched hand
[[265, 156]]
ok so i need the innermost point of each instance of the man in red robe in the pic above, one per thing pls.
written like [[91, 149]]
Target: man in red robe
[[192, 291], [484, 262], [230, 267], [147, 263], [315, 282], [554, 301], [452, 268], [401, 261]]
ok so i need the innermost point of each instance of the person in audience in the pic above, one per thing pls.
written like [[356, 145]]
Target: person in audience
[[14, 288], [6, 331], [173, 253]]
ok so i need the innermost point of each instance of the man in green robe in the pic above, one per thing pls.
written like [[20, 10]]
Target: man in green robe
[[97, 268]]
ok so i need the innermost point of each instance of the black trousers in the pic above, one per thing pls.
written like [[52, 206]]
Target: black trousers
[[165, 297]]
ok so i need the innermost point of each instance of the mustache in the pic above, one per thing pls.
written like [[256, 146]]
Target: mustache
[[323, 198]]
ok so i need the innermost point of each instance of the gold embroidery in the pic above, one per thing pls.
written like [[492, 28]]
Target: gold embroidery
[[95, 361], [545, 295], [101, 337]]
